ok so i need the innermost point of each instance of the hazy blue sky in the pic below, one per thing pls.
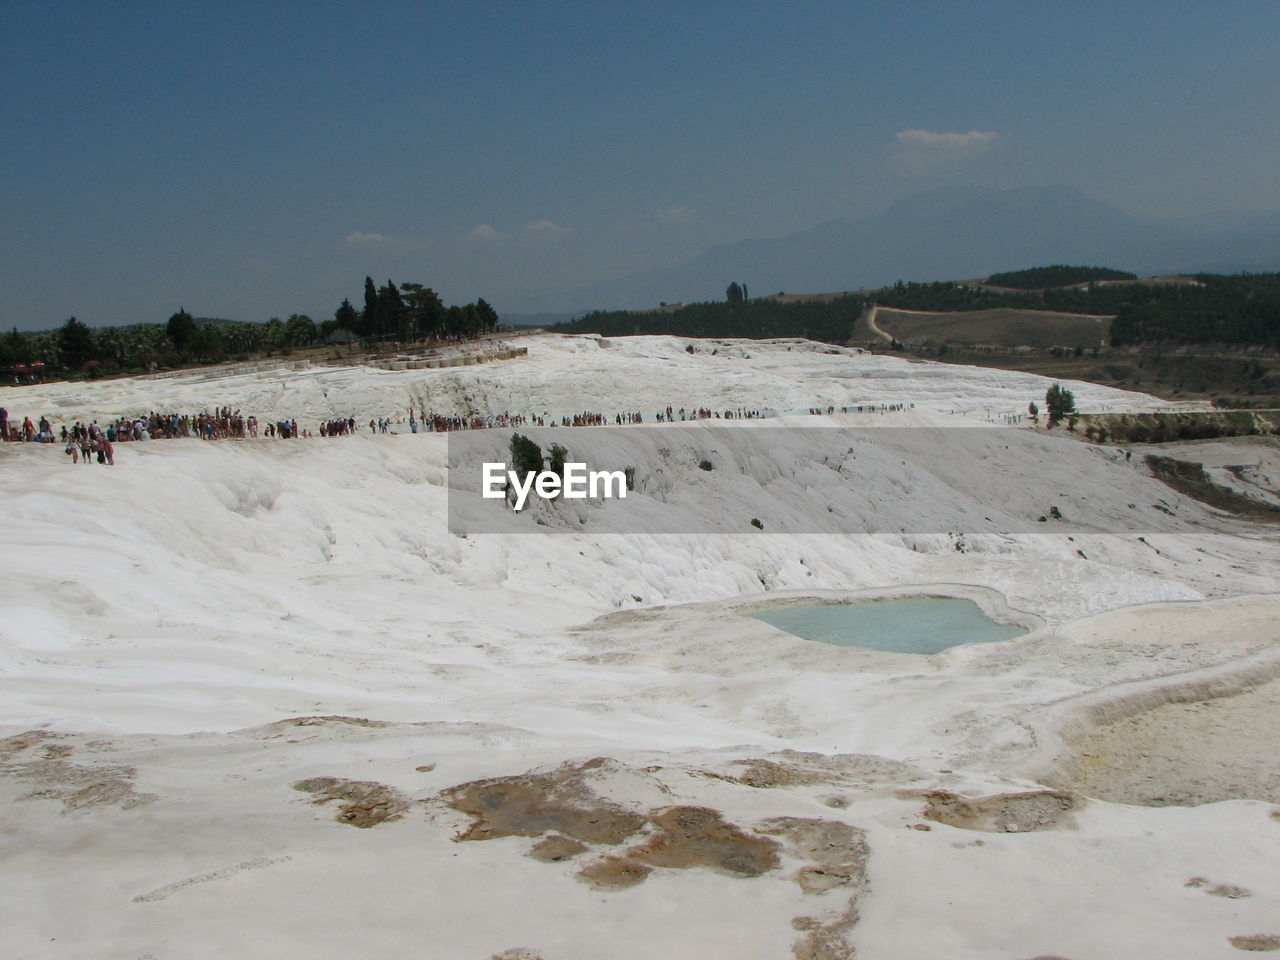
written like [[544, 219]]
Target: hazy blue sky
[[250, 160]]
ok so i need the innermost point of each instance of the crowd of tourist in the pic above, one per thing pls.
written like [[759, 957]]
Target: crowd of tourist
[[86, 442], [338, 428]]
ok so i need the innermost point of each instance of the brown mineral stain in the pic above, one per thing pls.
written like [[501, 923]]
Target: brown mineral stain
[[1001, 813], [536, 803], [366, 804], [698, 837], [614, 873], [556, 848]]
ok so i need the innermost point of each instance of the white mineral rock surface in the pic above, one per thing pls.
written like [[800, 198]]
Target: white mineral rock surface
[[246, 686]]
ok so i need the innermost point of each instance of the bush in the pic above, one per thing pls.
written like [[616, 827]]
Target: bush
[[705, 465], [757, 524], [526, 456], [1060, 403], [556, 459]]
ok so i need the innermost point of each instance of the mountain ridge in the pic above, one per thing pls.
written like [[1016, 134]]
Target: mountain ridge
[[942, 234]]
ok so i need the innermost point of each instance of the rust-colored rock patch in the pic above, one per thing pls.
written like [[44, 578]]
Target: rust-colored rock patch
[[1002, 812], [364, 803], [614, 873], [79, 786], [1257, 942], [553, 849], [836, 852], [823, 943], [699, 837], [789, 768], [530, 805]]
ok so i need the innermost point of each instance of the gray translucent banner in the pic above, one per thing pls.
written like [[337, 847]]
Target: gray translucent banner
[[707, 477]]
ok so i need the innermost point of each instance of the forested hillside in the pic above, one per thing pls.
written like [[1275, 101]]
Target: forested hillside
[[830, 320], [1241, 310], [1058, 275]]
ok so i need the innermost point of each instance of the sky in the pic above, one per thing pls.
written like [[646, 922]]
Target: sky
[[255, 160]]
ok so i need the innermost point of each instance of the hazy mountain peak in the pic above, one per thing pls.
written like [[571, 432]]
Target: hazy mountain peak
[[930, 203], [941, 234]]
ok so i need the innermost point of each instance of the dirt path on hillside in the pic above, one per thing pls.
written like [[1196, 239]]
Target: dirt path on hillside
[[869, 315]]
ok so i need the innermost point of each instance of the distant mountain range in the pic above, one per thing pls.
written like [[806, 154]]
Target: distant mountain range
[[950, 234]]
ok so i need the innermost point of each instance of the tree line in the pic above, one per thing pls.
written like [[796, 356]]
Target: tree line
[[1237, 310], [1240, 310], [405, 313], [1058, 275], [760, 319], [412, 311]]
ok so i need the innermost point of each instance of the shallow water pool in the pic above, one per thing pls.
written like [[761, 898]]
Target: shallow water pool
[[907, 625]]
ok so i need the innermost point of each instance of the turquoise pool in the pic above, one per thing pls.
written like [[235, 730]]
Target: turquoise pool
[[906, 625]]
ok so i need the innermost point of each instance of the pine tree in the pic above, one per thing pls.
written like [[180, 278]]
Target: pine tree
[[426, 311], [390, 316], [471, 322], [346, 317], [14, 348], [369, 318], [452, 321], [1059, 402], [488, 316], [75, 344], [180, 329]]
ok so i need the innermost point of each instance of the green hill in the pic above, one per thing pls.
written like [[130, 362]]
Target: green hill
[[1001, 326], [1058, 275], [1241, 310]]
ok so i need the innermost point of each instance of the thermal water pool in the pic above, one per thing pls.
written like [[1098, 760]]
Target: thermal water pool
[[904, 625]]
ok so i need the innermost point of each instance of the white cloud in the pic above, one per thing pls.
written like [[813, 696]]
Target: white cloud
[[676, 214], [920, 151], [485, 232], [361, 239], [546, 227]]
